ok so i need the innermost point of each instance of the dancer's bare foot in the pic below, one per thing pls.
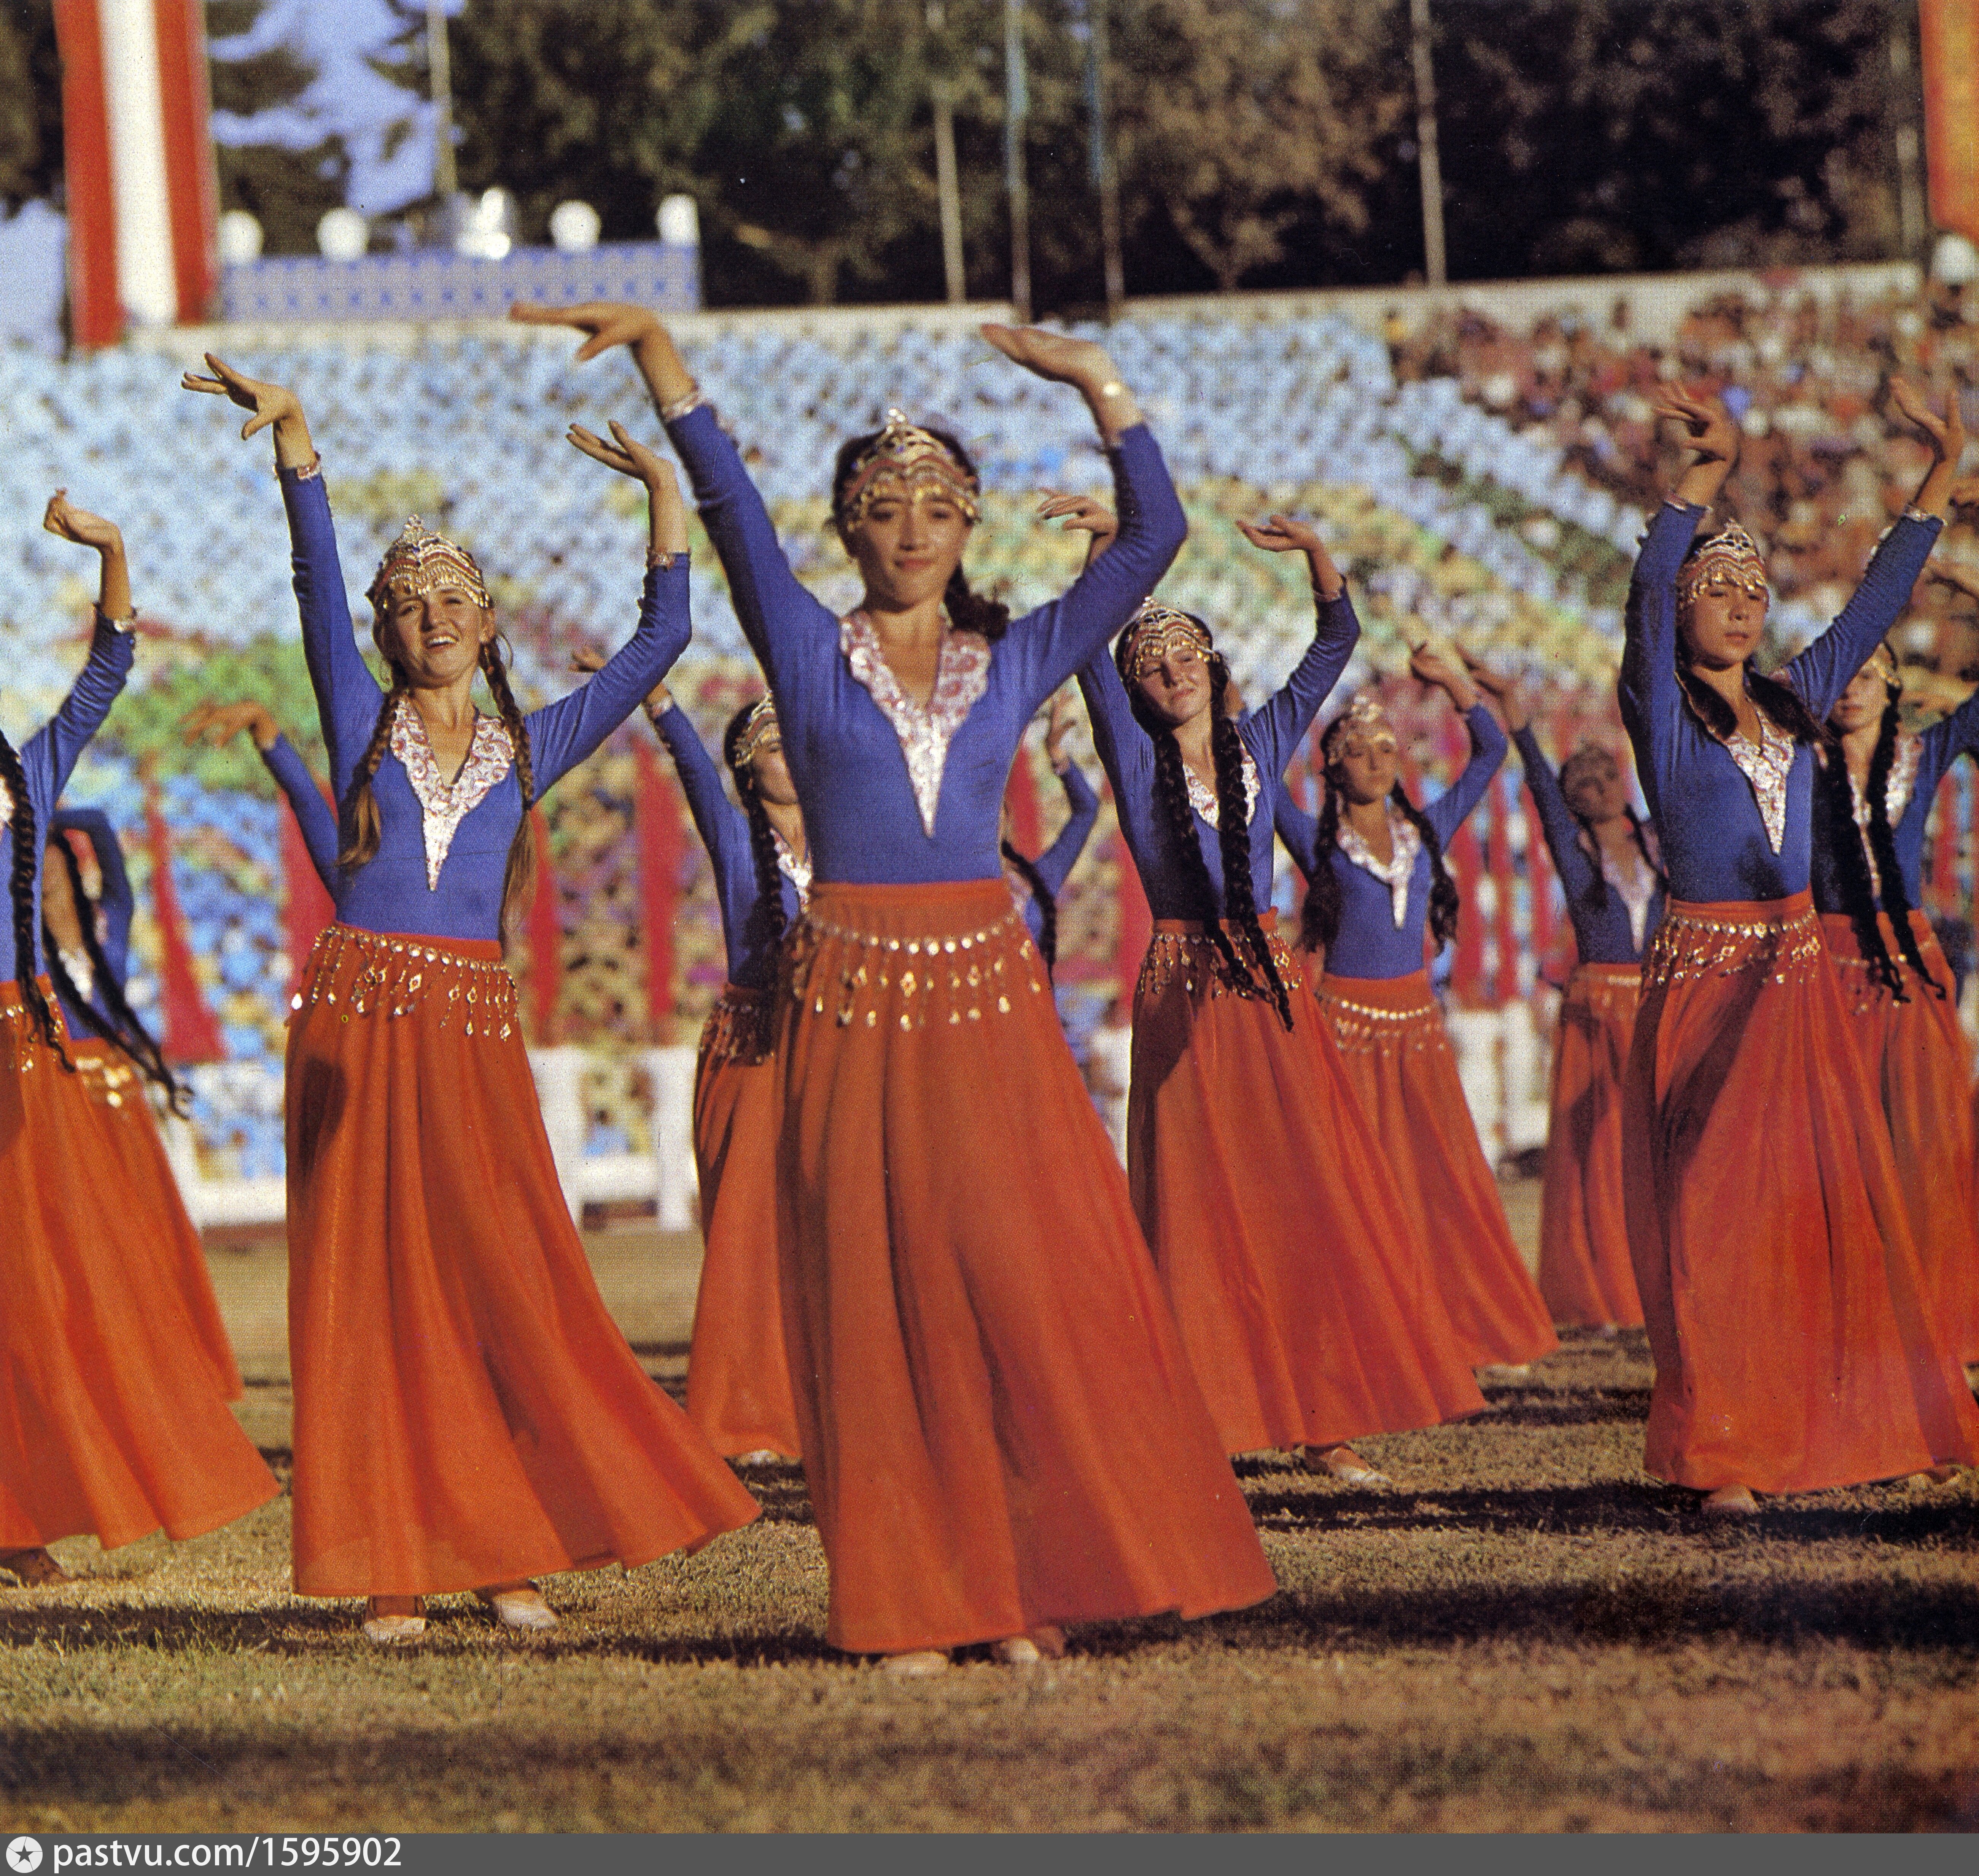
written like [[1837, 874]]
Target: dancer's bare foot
[[33, 1568], [915, 1664], [1730, 1501], [518, 1605], [1344, 1464], [395, 1618], [1499, 1373], [1045, 1643]]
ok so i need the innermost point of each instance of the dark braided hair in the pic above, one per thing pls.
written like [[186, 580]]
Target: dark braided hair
[[968, 611], [123, 1028], [362, 831], [21, 887], [1319, 923], [766, 916], [1599, 886], [1835, 813], [1233, 829], [1047, 904]]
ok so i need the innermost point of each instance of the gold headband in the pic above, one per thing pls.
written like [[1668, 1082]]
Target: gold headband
[[1155, 631], [901, 461], [420, 561], [1364, 713], [1883, 662], [757, 728], [1732, 556]]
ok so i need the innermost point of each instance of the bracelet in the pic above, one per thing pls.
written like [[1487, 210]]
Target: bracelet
[[674, 411], [307, 472], [659, 560], [1917, 514], [126, 622]]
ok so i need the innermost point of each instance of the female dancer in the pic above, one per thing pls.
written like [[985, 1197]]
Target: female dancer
[[738, 1379], [1607, 864], [1373, 864], [116, 1055], [111, 1420], [999, 1427], [1035, 884], [215, 722], [1871, 802], [1309, 1325], [467, 1415], [1787, 1313]]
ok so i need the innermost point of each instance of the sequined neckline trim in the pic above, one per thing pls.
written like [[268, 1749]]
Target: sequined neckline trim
[[1401, 866], [1202, 797], [1766, 764], [1896, 797], [443, 807], [793, 865], [6, 805], [962, 675], [1637, 887]]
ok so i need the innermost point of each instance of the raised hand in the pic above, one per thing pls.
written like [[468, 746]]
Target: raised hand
[[214, 723], [268, 403], [1283, 534], [1436, 663], [631, 457], [1058, 726], [1964, 492], [1946, 435], [1505, 692], [64, 517], [1711, 430], [1056, 356], [606, 323], [1079, 514], [587, 660]]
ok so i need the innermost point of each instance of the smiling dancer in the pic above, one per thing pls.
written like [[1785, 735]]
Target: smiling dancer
[[467, 1414], [111, 1418], [1000, 1430], [1788, 1315], [1376, 882]]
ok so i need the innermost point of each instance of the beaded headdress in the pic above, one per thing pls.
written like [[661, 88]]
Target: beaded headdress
[[420, 562], [1366, 713], [758, 728], [1883, 662], [1732, 556], [903, 460], [1155, 631]]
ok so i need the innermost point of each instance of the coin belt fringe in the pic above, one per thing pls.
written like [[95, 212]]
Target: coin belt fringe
[[1195, 957], [741, 1027], [397, 975], [953, 976], [1367, 1029], [1688, 946]]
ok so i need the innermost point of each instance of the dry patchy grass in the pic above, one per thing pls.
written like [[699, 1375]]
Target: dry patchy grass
[[1525, 1633]]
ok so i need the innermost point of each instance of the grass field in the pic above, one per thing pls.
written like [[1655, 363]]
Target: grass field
[[1524, 1633]]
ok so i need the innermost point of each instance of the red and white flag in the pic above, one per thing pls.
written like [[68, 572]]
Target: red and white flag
[[142, 195]]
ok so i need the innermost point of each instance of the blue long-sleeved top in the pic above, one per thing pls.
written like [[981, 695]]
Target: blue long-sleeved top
[[390, 893], [861, 818], [724, 828], [47, 759], [1938, 747], [1714, 837], [116, 905], [1272, 733], [313, 815], [1370, 944], [1600, 915], [1056, 863]]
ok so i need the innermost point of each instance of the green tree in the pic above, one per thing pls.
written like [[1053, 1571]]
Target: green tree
[[285, 189]]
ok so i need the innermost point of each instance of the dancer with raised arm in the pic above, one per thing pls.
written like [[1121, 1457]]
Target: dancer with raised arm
[[1872, 800], [112, 1422], [1375, 882], [1001, 1429], [467, 1414], [1788, 1311], [1311, 1323], [87, 944], [1035, 884], [213, 723], [1606, 859], [738, 1378]]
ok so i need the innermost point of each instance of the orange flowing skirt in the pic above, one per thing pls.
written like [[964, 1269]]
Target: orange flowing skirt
[[1305, 1296], [738, 1375], [1585, 1274], [1786, 1309], [1000, 1427], [111, 1419], [466, 1412], [1920, 1064], [149, 1191], [1391, 1038]]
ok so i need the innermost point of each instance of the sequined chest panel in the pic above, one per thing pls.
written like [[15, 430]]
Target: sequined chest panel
[[444, 805], [962, 675]]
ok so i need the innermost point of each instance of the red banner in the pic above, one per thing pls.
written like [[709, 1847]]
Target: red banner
[[307, 908], [546, 930], [659, 834], [1948, 34], [190, 1032]]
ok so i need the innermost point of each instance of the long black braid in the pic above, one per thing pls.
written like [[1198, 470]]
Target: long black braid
[[1047, 905], [123, 1027], [21, 887], [1835, 809], [769, 907], [1233, 833]]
